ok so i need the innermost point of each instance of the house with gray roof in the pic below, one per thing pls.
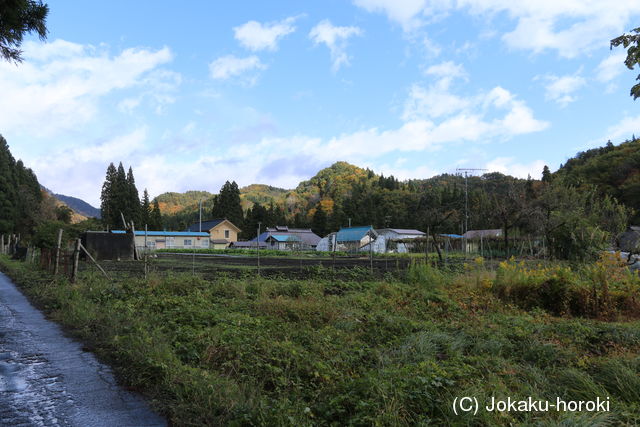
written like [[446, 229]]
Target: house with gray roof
[[285, 238]]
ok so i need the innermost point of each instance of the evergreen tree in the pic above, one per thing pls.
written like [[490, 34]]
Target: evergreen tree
[[227, 204], [155, 220], [106, 197], [546, 174], [257, 213], [119, 197], [17, 18], [319, 222], [20, 194], [145, 216], [132, 208]]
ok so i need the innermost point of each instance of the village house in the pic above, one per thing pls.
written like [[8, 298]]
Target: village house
[[353, 239], [169, 239], [222, 232], [285, 238]]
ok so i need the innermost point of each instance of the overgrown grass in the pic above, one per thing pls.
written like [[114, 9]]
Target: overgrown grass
[[604, 289], [351, 352]]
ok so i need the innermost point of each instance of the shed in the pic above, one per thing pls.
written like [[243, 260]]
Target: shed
[[396, 238], [103, 245], [352, 239]]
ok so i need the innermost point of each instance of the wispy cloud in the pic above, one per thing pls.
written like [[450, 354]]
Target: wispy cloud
[[335, 38], [561, 89], [571, 28], [61, 84], [230, 66], [257, 36]]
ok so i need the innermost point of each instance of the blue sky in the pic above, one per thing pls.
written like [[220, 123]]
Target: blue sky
[[270, 92]]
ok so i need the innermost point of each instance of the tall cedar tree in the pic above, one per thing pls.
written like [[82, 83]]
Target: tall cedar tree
[[155, 222], [145, 209], [134, 210], [227, 204], [106, 205], [18, 17], [119, 197]]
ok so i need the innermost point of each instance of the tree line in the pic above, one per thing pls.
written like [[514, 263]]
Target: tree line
[[119, 200]]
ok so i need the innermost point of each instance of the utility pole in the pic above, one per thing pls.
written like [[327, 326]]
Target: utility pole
[[200, 227], [466, 195], [258, 246]]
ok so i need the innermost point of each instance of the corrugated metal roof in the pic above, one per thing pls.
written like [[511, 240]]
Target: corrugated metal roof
[[403, 231], [285, 238], [307, 236], [353, 234], [166, 233]]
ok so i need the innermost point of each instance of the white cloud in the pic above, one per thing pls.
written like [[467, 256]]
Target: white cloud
[[447, 69], [85, 165], [508, 166], [61, 84], [336, 40], [432, 49], [561, 89], [570, 27], [611, 67], [229, 66], [624, 129], [257, 36], [467, 117], [405, 12], [434, 101]]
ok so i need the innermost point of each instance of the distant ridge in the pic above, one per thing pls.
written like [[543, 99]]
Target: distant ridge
[[78, 205]]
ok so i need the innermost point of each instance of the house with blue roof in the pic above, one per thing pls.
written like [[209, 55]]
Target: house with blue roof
[[353, 239], [169, 239], [285, 238]]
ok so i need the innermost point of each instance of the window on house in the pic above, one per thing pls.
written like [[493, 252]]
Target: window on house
[[187, 242], [226, 234]]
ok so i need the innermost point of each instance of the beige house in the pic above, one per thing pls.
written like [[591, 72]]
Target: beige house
[[170, 239], [222, 232]]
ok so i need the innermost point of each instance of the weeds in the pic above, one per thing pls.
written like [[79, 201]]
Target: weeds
[[356, 351]]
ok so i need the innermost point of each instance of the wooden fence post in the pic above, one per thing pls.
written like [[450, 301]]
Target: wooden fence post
[[57, 256], [76, 256]]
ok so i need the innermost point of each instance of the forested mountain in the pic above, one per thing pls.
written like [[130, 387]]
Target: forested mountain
[[78, 205], [172, 203], [613, 169]]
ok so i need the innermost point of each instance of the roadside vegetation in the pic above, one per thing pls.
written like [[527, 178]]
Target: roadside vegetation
[[255, 351]]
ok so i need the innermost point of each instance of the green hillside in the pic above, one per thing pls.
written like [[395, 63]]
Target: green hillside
[[614, 169]]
